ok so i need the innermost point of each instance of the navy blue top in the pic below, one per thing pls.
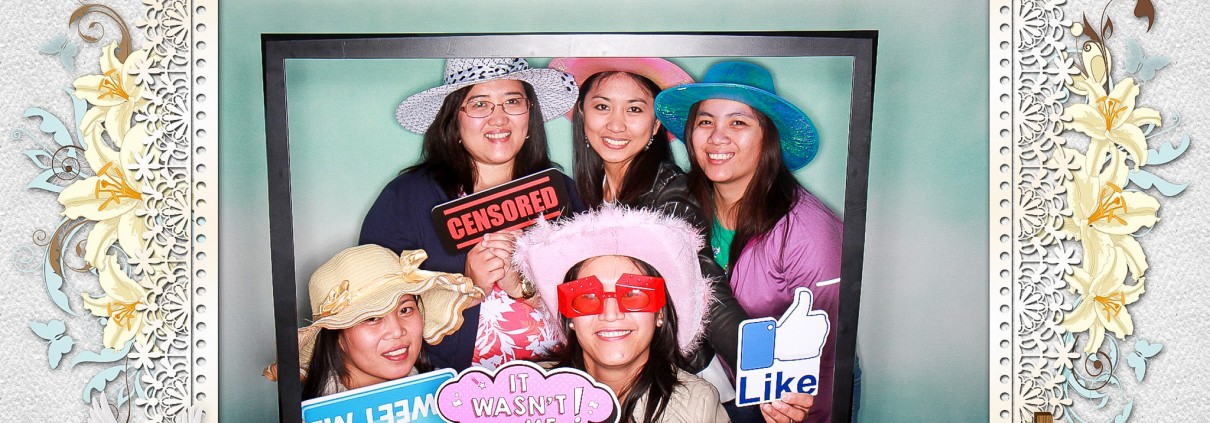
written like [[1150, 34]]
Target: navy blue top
[[400, 219]]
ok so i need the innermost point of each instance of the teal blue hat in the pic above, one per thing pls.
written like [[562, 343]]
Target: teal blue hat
[[752, 85]]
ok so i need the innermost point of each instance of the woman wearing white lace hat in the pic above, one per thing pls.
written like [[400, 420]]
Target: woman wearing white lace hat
[[482, 127]]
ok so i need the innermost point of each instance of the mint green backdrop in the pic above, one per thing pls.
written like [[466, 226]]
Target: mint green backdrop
[[345, 144], [923, 329]]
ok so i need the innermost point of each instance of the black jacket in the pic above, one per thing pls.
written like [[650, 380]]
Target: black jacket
[[670, 194]]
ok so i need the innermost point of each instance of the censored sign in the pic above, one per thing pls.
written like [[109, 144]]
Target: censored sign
[[523, 392], [462, 223], [411, 399]]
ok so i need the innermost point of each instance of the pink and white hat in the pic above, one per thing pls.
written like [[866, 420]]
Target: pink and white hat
[[546, 251], [664, 73]]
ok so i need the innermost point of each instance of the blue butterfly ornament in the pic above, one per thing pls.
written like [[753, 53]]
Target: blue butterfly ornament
[[59, 342]]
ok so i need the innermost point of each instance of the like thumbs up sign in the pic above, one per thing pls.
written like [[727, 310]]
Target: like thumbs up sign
[[799, 335]]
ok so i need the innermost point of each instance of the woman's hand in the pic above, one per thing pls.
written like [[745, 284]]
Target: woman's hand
[[503, 244], [511, 282], [792, 407], [484, 264]]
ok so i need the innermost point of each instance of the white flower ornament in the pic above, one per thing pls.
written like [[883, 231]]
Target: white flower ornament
[[1103, 216], [1111, 119], [114, 95], [123, 305], [112, 198]]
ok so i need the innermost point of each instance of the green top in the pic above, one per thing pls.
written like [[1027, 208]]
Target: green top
[[720, 242]]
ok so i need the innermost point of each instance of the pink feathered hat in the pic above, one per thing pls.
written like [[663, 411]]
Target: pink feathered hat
[[547, 250]]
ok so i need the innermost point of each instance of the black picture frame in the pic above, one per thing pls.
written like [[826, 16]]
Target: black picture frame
[[861, 46]]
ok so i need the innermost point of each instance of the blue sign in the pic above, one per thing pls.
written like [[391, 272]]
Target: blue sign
[[780, 356], [411, 399]]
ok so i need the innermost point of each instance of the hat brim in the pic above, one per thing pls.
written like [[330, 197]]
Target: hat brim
[[546, 251], [663, 72], [799, 138], [556, 96], [442, 300]]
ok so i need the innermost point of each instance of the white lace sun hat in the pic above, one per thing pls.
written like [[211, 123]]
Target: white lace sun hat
[[556, 90]]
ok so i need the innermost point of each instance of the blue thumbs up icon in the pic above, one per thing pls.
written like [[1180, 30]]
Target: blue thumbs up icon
[[781, 355]]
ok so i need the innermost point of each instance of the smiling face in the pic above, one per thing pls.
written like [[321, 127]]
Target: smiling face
[[726, 141], [383, 348], [494, 140], [613, 340], [619, 118]]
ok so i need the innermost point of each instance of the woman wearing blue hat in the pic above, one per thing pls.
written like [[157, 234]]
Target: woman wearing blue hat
[[769, 233]]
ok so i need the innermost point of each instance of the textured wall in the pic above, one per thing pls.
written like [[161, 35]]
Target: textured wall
[[31, 79], [1173, 311]]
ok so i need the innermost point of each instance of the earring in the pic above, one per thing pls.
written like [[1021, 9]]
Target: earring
[[649, 142], [571, 325], [659, 322], [586, 144], [459, 140]]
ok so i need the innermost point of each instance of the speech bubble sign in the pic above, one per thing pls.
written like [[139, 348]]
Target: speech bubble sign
[[780, 356], [523, 392], [461, 223], [411, 399]]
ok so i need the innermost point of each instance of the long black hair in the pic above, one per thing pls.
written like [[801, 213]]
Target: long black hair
[[590, 169], [448, 162], [658, 378], [770, 194], [327, 362]]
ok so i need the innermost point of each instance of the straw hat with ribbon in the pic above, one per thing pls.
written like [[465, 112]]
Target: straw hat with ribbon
[[366, 281]]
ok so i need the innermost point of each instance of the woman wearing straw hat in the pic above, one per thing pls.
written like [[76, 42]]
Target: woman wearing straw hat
[[623, 156], [644, 261], [373, 311], [770, 233], [482, 127]]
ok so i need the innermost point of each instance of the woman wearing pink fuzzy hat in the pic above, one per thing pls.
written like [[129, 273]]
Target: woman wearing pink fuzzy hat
[[645, 262]]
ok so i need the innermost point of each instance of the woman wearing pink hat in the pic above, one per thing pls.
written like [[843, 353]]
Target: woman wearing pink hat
[[632, 300], [482, 127], [622, 156], [768, 232]]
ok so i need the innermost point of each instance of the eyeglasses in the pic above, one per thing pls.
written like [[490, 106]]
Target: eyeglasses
[[634, 293], [484, 108]]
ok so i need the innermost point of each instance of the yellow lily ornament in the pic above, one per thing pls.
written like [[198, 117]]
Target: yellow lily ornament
[[1103, 216], [114, 95], [1103, 302], [1111, 119], [123, 305], [112, 198]]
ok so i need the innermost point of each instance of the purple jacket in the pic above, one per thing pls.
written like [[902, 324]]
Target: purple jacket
[[803, 249]]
